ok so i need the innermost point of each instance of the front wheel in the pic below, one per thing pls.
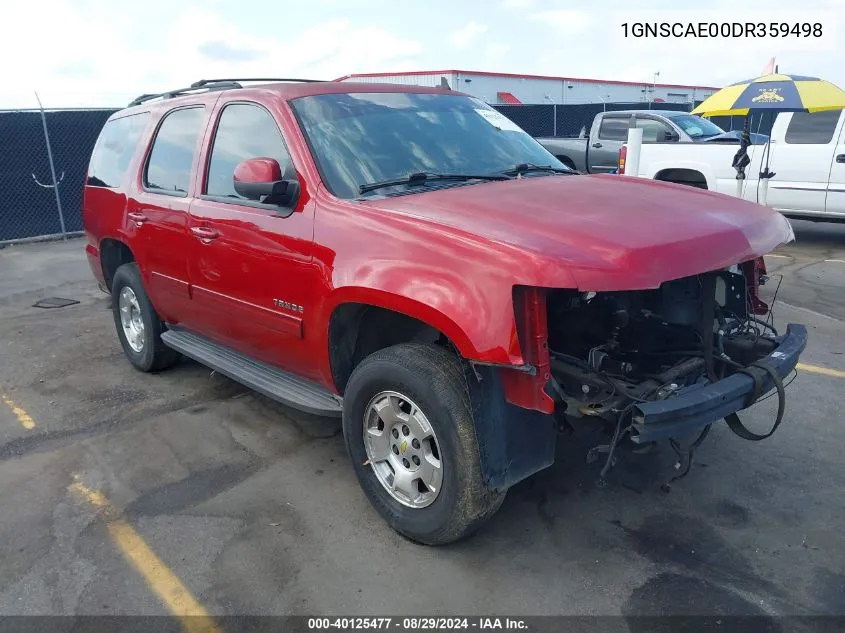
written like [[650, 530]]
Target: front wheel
[[409, 430]]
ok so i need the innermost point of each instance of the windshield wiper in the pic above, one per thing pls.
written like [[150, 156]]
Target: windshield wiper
[[524, 168], [423, 177]]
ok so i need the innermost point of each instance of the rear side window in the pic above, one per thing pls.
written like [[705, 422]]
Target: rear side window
[[169, 166], [613, 129], [816, 128], [245, 131], [114, 150]]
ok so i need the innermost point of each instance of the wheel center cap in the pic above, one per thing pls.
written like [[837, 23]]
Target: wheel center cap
[[403, 447]]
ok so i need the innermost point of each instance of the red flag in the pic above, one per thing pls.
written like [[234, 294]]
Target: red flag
[[769, 68]]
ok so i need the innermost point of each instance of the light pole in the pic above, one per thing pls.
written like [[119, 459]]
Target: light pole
[[654, 85]]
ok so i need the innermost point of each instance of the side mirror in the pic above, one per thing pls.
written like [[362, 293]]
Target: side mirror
[[260, 179]]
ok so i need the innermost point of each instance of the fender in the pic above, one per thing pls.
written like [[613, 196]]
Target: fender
[[526, 340], [489, 349]]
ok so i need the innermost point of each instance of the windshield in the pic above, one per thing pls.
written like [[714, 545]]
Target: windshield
[[697, 127], [361, 138]]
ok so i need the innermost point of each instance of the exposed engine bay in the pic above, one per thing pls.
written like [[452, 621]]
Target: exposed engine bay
[[612, 350]]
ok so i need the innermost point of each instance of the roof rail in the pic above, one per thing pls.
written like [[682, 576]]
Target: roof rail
[[204, 82], [209, 85]]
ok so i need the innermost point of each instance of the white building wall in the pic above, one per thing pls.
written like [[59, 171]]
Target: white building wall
[[428, 80], [535, 90]]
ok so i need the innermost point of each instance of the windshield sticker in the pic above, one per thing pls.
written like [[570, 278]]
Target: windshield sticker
[[499, 120]]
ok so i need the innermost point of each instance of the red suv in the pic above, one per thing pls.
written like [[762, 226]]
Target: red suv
[[408, 258]]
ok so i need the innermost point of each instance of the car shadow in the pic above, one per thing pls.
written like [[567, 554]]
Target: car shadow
[[822, 234]]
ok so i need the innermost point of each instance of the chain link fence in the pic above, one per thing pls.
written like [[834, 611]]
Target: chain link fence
[[30, 208], [567, 120], [572, 120]]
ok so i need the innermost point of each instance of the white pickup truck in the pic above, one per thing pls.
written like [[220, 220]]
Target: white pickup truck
[[807, 156]]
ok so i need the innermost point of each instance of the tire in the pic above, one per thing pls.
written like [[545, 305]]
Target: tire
[[430, 378], [146, 352]]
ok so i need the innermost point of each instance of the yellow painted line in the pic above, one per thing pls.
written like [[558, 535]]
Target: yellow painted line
[[161, 580], [23, 417], [824, 371]]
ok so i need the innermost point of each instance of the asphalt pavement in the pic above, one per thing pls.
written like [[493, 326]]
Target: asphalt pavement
[[124, 493]]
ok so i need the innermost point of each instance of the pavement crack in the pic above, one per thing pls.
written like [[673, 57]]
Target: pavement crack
[[52, 440]]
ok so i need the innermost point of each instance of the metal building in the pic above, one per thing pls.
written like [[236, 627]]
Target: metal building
[[508, 88]]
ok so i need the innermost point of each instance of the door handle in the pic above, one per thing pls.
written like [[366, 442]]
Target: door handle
[[137, 217], [596, 145], [840, 158], [205, 233]]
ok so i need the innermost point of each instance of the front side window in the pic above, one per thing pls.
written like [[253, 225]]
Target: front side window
[[244, 131], [172, 157], [812, 128], [614, 129], [656, 131], [361, 138], [114, 150]]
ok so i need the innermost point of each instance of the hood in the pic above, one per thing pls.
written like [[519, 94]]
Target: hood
[[734, 136], [605, 232]]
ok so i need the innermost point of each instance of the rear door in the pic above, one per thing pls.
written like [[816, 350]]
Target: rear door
[[801, 161], [835, 201], [603, 152], [250, 268], [157, 210]]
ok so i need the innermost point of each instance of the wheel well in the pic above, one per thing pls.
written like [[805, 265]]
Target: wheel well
[[113, 254], [689, 177], [356, 330], [566, 161]]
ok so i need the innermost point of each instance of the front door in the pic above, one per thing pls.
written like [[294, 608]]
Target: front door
[[249, 262], [603, 152], [802, 162], [835, 202]]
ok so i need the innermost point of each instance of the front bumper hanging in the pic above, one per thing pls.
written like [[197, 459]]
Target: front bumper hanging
[[696, 406]]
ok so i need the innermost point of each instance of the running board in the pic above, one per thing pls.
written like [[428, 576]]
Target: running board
[[274, 383]]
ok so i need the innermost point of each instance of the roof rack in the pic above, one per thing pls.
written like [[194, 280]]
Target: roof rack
[[204, 82], [209, 85]]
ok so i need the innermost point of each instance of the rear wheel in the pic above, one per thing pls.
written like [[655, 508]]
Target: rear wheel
[[138, 326], [409, 430]]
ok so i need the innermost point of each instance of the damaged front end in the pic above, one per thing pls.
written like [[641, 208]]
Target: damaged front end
[[648, 365], [658, 364]]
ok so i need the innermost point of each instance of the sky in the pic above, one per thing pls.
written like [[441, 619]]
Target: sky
[[103, 53]]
